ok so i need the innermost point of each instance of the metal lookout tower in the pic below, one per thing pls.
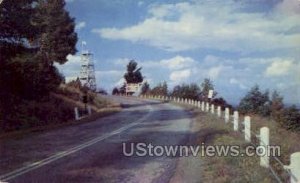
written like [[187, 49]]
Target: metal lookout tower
[[87, 73]]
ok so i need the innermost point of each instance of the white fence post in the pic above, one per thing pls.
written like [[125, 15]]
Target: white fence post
[[264, 145], [199, 104], [247, 129], [226, 115], [202, 106], [212, 109], [76, 113], [219, 111], [294, 167], [207, 107], [236, 121], [89, 110]]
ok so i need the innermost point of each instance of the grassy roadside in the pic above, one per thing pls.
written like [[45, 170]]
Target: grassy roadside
[[93, 117], [212, 130], [58, 112]]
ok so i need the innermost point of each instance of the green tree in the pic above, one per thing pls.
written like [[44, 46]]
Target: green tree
[[276, 106], [191, 91], [115, 91], [145, 88], [133, 74], [290, 119], [207, 85], [255, 102], [33, 35], [160, 89], [122, 89], [56, 37], [220, 101]]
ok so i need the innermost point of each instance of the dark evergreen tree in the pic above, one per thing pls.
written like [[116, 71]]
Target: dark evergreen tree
[[115, 91], [133, 74], [56, 37], [191, 91], [205, 87], [255, 102], [276, 106], [33, 35], [161, 89], [290, 119], [145, 88]]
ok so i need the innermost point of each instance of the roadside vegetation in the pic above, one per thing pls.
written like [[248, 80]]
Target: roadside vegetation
[[212, 130], [57, 109], [34, 36], [265, 109]]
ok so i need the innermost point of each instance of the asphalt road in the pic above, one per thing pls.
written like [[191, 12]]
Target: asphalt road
[[93, 152]]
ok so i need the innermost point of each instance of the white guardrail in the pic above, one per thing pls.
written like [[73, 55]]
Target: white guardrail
[[293, 169]]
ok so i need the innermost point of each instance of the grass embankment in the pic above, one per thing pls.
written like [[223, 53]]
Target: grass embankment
[[212, 130], [56, 110]]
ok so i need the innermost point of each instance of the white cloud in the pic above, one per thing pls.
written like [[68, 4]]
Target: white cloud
[[289, 6], [180, 76], [110, 73], [109, 78], [279, 68], [80, 25], [178, 62], [235, 81], [187, 26], [120, 82], [214, 72], [72, 67], [140, 3]]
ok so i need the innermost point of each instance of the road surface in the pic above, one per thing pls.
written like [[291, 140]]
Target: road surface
[[93, 152]]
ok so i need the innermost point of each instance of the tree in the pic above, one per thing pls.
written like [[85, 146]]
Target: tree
[[205, 87], [255, 102], [145, 88], [133, 74], [122, 89], [290, 119], [56, 37], [221, 102], [115, 91], [33, 35], [191, 91], [161, 89], [276, 106]]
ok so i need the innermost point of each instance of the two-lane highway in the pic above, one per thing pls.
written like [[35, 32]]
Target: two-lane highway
[[93, 152]]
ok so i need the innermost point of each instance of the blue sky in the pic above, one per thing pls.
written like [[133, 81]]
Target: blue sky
[[235, 43]]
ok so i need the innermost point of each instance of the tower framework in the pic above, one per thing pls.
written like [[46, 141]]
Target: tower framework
[[87, 73]]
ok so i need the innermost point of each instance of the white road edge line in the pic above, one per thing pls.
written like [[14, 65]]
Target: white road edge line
[[38, 164]]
